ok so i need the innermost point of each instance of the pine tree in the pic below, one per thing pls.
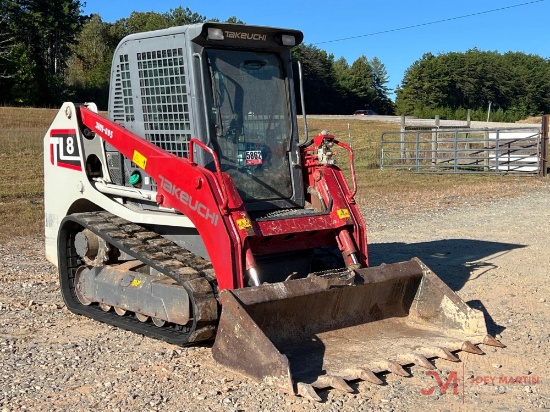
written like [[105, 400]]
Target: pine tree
[[44, 31]]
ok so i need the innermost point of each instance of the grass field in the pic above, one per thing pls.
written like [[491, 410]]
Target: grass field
[[21, 185], [22, 182]]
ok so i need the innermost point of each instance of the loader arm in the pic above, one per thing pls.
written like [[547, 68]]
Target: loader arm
[[190, 189]]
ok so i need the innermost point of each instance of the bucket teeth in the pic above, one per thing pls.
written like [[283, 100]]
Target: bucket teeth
[[489, 340], [396, 368], [307, 391], [329, 381], [367, 375], [362, 373], [469, 347], [422, 361], [446, 354]]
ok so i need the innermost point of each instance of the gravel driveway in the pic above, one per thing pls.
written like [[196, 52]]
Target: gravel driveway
[[495, 256]]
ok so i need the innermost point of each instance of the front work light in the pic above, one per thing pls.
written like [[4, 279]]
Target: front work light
[[215, 34], [288, 40]]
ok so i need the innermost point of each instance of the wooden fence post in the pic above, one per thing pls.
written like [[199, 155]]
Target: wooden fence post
[[468, 124]]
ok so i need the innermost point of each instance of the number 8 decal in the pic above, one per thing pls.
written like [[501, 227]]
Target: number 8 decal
[[70, 145], [64, 149]]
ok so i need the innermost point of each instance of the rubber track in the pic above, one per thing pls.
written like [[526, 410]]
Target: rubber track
[[194, 273]]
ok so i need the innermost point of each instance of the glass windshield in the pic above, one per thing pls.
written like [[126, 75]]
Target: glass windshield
[[250, 122]]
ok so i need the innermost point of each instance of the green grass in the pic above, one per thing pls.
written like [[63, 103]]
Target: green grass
[[21, 185]]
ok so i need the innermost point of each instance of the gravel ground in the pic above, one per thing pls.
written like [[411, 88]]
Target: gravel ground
[[494, 254]]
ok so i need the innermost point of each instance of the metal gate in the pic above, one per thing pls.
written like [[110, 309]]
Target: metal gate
[[504, 150]]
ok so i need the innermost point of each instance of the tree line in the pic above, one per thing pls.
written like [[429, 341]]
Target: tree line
[[51, 52], [36, 41], [516, 85]]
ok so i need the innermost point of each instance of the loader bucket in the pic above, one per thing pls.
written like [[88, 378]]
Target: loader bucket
[[322, 331]]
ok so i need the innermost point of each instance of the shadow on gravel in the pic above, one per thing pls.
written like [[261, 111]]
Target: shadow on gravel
[[453, 260], [492, 328]]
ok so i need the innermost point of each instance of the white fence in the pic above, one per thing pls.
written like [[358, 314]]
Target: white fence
[[463, 150]]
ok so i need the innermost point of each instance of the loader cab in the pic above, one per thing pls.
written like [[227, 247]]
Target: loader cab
[[231, 86]]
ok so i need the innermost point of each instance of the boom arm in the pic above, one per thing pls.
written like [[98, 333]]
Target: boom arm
[[189, 188]]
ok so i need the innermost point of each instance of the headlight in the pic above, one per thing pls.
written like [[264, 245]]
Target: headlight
[[215, 34], [288, 40]]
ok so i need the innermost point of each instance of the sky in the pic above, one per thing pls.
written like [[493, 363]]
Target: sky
[[398, 32]]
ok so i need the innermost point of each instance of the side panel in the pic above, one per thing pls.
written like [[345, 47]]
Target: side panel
[[62, 174], [67, 188], [149, 91], [150, 95]]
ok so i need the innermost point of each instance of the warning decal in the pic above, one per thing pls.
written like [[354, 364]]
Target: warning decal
[[343, 213], [139, 159], [244, 223]]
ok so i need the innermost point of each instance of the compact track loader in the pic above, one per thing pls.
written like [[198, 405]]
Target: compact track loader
[[194, 212]]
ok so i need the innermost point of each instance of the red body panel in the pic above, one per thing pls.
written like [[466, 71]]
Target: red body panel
[[211, 201]]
